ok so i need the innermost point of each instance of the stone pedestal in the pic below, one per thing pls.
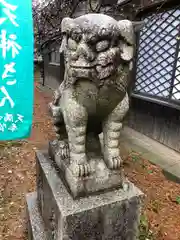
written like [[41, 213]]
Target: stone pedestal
[[55, 215], [100, 180]]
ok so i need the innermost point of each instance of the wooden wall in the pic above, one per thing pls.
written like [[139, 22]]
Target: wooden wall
[[161, 123]]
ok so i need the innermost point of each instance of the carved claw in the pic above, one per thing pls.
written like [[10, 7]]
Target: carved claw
[[56, 97], [81, 170], [114, 163], [55, 111]]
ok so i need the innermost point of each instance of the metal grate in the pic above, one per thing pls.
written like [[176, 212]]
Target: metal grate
[[158, 61], [176, 85]]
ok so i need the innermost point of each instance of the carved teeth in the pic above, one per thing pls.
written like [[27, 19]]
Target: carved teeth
[[82, 65]]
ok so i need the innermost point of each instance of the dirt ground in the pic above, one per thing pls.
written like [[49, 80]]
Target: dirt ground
[[160, 219]]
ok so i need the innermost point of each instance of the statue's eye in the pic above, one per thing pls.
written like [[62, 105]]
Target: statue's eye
[[102, 45], [92, 40]]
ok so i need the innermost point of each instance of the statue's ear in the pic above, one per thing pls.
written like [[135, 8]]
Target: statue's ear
[[66, 25], [126, 30], [65, 28], [62, 59], [63, 44]]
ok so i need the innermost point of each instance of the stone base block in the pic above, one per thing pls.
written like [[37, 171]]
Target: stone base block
[[101, 178], [36, 229], [110, 215]]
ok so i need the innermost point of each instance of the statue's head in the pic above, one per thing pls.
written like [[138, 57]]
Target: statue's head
[[95, 45]]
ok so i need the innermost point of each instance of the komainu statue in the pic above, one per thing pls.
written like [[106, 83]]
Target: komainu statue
[[96, 56]]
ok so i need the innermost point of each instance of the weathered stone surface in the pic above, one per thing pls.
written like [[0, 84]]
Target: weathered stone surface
[[101, 178], [97, 53], [111, 215], [96, 56], [36, 229]]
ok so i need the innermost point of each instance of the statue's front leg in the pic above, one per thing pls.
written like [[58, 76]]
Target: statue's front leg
[[111, 130], [75, 117]]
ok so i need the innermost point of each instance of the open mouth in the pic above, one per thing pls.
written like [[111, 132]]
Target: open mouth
[[88, 66], [82, 67], [93, 71]]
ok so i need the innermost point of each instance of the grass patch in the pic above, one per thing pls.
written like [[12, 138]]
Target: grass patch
[[144, 229], [178, 199], [155, 206], [9, 144], [135, 157]]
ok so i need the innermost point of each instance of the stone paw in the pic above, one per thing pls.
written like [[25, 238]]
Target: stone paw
[[114, 163], [81, 170]]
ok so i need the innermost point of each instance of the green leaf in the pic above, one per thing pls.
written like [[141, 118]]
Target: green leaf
[[144, 221], [178, 199], [150, 171]]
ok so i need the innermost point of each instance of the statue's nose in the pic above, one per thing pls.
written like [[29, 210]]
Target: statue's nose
[[85, 51]]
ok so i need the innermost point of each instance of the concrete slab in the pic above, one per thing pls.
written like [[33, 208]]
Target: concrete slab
[[173, 173], [45, 89], [35, 224], [156, 153], [109, 215]]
